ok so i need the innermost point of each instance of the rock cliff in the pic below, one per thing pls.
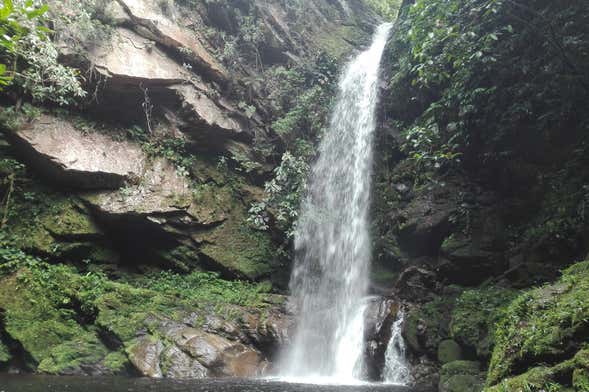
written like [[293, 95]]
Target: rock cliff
[[126, 246]]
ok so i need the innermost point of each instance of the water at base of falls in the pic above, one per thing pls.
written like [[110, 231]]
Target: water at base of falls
[[332, 244]]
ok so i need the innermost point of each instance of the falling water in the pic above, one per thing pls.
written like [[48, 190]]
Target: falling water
[[330, 277], [396, 370]]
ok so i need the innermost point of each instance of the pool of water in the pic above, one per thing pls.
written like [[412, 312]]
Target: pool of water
[[20, 383]]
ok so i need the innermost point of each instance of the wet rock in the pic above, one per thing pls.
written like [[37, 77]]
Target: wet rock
[[460, 376], [222, 357], [66, 155], [144, 354], [425, 374], [417, 285], [380, 315], [270, 331], [177, 364]]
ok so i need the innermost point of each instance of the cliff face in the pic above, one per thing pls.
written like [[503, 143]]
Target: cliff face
[[480, 192], [117, 209]]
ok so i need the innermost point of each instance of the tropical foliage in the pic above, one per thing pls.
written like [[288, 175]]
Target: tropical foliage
[[469, 101]]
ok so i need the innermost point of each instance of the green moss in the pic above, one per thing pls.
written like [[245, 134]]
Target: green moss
[[434, 316], [240, 249], [82, 349], [38, 314], [460, 367], [460, 376], [542, 324], [45, 222], [538, 379], [448, 351], [123, 309], [4, 353], [336, 42], [116, 361], [212, 203], [56, 312], [475, 314]]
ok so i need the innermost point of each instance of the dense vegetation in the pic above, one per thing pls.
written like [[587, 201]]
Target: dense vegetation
[[497, 80], [486, 157]]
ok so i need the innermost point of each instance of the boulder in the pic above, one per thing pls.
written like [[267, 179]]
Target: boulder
[[460, 376], [426, 374], [449, 351], [270, 331], [222, 357], [67, 155], [144, 354], [176, 363]]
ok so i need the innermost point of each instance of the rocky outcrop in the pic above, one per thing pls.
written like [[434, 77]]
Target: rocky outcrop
[[216, 347], [163, 183], [147, 19], [380, 315], [66, 155], [144, 355]]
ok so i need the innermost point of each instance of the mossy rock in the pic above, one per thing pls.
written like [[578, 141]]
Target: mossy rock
[[85, 350], [537, 379], [117, 362], [428, 324], [239, 249], [475, 315], [581, 379], [460, 376], [44, 222], [449, 351], [336, 42], [543, 325], [123, 310], [43, 322]]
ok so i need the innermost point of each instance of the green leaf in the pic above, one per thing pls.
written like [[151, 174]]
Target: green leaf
[[6, 10]]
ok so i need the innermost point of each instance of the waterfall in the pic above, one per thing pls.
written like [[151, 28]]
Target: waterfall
[[332, 245], [396, 370]]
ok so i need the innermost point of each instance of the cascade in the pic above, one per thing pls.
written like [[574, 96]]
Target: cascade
[[396, 370], [329, 280]]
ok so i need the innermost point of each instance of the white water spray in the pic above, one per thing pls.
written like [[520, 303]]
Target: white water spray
[[396, 370], [332, 244]]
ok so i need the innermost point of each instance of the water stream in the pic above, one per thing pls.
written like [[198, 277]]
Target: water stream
[[332, 244], [396, 370]]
